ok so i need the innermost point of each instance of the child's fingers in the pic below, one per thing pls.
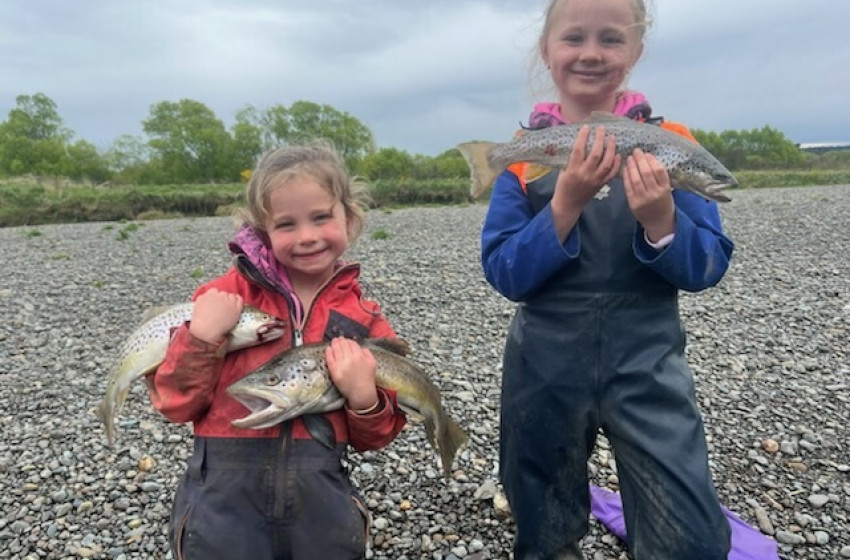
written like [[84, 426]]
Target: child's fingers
[[651, 172], [616, 165], [658, 170], [330, 357], [597, 151], [579, 150], [632, 177], [610, 157]]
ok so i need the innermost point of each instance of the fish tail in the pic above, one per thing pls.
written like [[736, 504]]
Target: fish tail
[[104, 414], [450, 439], [481, 173]]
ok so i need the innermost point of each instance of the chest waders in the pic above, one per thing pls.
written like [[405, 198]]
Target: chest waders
[[267, 499], [601, 345]]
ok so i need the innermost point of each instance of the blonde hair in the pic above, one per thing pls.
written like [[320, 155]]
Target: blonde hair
[[316, 160], [642, 20]]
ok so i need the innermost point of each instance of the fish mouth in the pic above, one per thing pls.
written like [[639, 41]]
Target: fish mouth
[[265, 406], [265, 418], [271, 330], [704, 184], [257, 398], [716, 185]]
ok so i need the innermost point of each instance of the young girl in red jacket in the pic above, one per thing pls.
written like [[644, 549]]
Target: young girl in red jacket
[[279, 492]]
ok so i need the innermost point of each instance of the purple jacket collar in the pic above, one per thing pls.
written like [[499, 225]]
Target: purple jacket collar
[[251, 245]]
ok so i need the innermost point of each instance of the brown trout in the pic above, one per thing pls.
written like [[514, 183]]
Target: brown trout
[[145, 349], [298, 382], [691, 166]]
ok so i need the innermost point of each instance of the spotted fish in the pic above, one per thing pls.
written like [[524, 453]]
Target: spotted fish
[[691, 167], [145, 349]]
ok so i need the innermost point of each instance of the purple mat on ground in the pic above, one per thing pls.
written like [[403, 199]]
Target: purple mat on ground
[[747, 542]]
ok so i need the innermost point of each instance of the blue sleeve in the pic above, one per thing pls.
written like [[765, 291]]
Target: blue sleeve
[[699, 255], [521, 250]]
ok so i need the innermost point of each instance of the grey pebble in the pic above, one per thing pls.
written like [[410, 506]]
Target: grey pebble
[[768, 348]]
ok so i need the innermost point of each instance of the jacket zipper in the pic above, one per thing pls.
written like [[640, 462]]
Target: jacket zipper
[[298, 331]]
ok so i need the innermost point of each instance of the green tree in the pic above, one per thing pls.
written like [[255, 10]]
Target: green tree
[[387, 163], [36, 117], [250, 137], [764, 148], [127, 151], [305, 120], [448, 165], [33, 138], [20, 155], [190, 143], [128, 160], [83, 161]]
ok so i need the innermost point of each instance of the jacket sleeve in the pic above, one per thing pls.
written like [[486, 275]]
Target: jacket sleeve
[[182, 387], [379, 428], [520, 250], [700, 252]]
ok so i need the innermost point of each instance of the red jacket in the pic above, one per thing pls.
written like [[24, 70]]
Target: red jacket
[[190, 384]]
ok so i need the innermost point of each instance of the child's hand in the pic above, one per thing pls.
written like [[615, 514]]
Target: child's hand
[[353, 369], [650, 194], [214, 314], [587, 171]]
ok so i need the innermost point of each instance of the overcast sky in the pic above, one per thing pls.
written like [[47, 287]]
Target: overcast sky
[[423, 75]]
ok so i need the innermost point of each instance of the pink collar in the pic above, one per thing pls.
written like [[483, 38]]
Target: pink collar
[[631, 104]]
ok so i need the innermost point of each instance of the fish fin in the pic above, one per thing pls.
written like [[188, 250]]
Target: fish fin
[[481, 173], [451, 440], [448, 441], [413, 413], [430, 434], [320, 429], [105, 419], [534, 171], [395, 345]]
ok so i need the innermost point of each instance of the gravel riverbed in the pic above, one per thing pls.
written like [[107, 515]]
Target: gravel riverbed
[[768, 347]]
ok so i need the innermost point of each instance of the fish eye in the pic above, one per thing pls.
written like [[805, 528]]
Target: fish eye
[[272, 379]]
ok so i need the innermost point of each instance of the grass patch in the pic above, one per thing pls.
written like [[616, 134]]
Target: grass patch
[[124, 232], [380, 234], [25, 203], [792, 178], [32, 204]]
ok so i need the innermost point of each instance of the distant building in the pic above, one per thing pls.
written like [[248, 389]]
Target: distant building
[[821, 147]]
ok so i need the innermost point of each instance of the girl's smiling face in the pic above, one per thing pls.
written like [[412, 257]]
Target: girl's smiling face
[[590, 47], [307, 229]]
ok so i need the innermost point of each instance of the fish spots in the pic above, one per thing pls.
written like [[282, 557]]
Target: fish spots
[[549, 150]]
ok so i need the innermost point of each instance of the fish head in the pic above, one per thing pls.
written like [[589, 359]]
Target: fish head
[[708, 181], [282, 389], [255, 327]]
